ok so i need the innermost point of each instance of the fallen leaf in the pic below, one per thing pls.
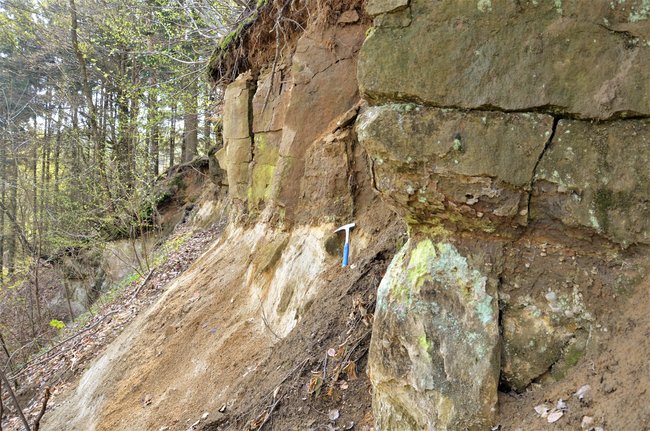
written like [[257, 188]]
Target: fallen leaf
[[580, 393], [542, 410], [554, 416], [315, 383], [350, 370]]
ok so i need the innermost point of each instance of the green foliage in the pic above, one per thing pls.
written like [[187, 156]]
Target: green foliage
[[57, 324]]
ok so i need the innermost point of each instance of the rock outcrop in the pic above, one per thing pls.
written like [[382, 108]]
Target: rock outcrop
[[511, 56], [434, 359], [484, 132], [287, 141], [510, 137]]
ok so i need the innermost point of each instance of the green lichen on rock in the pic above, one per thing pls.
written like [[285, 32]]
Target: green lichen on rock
[[265, 157], [547, 73], [605, 199], [641, 12], [484, 5], [431, 297], [600, 174]]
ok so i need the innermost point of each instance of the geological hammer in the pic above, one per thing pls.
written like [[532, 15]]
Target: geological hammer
[[346, 247]]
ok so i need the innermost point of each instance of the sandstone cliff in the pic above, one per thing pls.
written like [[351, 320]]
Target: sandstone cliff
[[509, 139]]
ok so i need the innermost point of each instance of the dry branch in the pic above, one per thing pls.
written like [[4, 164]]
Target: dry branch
[[46, 398], [15, 400], [135, 293], [45, 354]]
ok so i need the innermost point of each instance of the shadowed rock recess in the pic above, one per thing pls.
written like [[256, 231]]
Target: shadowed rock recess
[[512, 138]]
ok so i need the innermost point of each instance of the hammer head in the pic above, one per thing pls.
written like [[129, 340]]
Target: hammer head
[[346, 227]]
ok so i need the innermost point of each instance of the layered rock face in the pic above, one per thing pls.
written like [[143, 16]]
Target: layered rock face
[[288, 147], [512, 138]]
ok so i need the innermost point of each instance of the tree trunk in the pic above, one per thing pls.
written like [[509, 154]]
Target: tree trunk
[[57, 151], [3, 164], [191, 122], [172, 137], [122, 147], [207, 123], [153, 126], [11, 209], [36, 223]]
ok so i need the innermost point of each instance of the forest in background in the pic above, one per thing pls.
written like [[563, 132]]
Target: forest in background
[[97, 99]]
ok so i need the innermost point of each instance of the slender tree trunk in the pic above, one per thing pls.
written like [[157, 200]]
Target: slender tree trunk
[[3, 377], [122, 150], [45, 174], [134, 138], [57, 151], [5, 349], [207, 123], [172, 137], [75, 156], [36, 223], [190, 122], [3, 164], [153, 126], [12, 207]]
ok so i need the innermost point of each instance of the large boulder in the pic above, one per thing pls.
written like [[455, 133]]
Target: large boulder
[[434, 354]]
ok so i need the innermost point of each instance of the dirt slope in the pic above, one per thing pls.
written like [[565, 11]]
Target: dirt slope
[[214, 337], [616, 369]]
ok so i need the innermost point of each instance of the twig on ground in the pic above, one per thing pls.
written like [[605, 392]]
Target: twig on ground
[[2, 406], [15, 400], [363, 337], [276, 401], [299, 367], [325, 367], [37, 360], [135, 293], [266, 322], [46, 398]]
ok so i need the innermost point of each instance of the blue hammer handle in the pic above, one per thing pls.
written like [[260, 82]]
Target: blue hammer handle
[[346, 253]]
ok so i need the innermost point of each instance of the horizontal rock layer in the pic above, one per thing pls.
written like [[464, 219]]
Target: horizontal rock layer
[[565, 57]]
